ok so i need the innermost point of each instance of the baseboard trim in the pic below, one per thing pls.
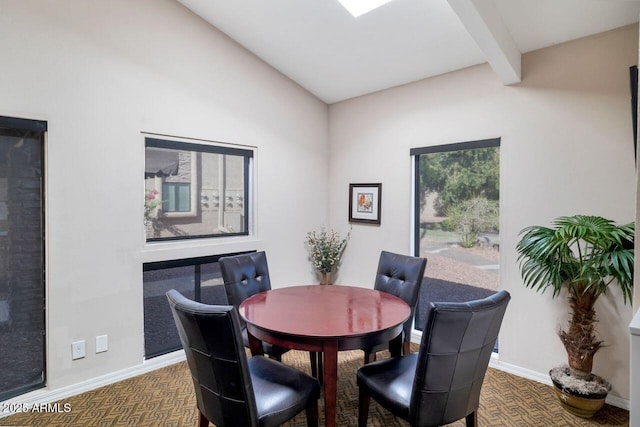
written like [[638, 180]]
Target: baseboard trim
[[44, 395]]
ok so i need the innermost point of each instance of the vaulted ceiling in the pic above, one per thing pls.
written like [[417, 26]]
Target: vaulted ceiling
[[335, 56]]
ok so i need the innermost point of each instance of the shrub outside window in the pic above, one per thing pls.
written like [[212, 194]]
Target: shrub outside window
[[195, 190]]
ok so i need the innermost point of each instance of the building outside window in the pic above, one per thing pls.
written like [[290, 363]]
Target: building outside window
[[195, 190]]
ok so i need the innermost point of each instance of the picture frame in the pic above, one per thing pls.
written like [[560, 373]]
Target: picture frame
[[365, 202]]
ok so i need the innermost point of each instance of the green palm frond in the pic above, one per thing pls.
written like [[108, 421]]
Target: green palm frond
[[580, 252]]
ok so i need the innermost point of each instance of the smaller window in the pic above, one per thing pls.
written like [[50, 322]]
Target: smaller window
[[176, 197], [195, 190]]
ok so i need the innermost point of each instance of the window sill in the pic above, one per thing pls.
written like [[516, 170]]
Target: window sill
[[162, 251]]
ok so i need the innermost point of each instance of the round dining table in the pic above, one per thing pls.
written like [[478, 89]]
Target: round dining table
[[325, 319]]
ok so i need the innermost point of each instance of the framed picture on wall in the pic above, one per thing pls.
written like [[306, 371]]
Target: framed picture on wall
[[365, 201]]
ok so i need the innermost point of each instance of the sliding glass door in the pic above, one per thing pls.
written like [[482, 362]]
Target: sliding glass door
[[22, 319]]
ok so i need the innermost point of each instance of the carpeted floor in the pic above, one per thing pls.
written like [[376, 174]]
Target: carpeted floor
[[166, 398]]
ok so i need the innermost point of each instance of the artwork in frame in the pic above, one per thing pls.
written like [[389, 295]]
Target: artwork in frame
[[365, 203]]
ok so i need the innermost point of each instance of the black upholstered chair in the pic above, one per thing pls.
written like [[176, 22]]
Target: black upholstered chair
[[244, 276], [232, 390], [441, 383], [399, 275]]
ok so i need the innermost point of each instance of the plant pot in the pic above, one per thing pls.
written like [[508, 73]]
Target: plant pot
[[581, 404], [326, 278]]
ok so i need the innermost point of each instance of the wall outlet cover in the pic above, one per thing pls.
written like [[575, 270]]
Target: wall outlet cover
[[102, 343], [78, 350]]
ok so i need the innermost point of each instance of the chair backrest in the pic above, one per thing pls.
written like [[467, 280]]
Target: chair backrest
[[244, 275], [212, 341], [454, 354], [401, 275]]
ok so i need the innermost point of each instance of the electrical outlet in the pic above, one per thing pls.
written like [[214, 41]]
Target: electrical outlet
[[78, 350], [102, 343]]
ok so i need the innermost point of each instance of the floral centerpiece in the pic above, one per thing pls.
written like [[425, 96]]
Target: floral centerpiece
[[325, 251]]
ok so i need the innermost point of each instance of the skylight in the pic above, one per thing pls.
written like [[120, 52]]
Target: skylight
[[360, 7]]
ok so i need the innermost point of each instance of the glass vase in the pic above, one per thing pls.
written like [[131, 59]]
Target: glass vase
[[326, 277]]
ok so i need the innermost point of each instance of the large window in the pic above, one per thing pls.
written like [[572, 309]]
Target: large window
[[195, 190], [457, 192]]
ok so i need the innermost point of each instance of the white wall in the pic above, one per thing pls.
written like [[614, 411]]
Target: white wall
[[100, 73], [566, 149]]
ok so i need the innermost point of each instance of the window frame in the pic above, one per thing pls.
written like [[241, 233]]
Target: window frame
[[415, 154], [212, 147]]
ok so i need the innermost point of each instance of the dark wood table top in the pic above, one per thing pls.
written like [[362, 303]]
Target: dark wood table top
[[350, 314]]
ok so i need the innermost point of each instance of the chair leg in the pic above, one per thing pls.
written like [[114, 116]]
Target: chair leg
[[276, 358], [472, 419], [320, 369], [316, 365], [369, 356], [313, 358], [312, 414], [202, 420], [363, 408], [406, 348]]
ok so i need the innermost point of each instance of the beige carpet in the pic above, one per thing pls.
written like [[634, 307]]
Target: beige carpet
[[165, 398]]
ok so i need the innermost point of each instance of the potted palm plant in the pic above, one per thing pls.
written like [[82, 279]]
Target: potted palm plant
[[581, 255]]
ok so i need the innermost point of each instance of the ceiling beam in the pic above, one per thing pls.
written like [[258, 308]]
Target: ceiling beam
[[484, 23]]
